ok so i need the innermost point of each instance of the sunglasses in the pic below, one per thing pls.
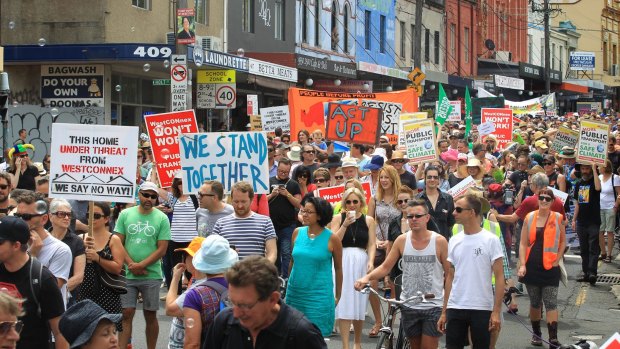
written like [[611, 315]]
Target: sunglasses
[[62, 214], [399, 161], [149, 196], [354, 202], [6, 326], [27, 216], [400, 202], [309, 151], [23, 156], [4, 186], [339, 177], [461, 209], [98, 216], [302, 175], [204, 194], [545, 198], [416, 216], [432, 177], [320, 180], [546, 163]]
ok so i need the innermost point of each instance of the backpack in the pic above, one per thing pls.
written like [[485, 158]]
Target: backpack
[[35, 282], [207, 312]]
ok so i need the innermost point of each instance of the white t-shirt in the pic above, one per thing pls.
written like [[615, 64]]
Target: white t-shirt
[[607, 191], [56, 256], [473, 257]]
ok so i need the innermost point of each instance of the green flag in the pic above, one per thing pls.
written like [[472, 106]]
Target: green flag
[[467, 112], [444, 108]]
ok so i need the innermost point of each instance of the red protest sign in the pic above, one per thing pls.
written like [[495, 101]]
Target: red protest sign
[[163, 130], [334, 194], [353, 123], [502, 119]]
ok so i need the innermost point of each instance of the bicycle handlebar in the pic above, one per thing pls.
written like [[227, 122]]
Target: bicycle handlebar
[[418, 298]]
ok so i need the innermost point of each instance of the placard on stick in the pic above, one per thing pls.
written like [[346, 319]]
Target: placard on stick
[[420, 140], [353, 124], [593, 140], [93, 162]]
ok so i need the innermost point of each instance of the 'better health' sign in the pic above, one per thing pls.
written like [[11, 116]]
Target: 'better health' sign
[[225, 157]]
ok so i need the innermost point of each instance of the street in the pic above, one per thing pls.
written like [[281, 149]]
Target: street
[[589, 312]]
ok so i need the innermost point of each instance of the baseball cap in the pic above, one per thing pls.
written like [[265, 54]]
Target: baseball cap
[[14, 229], [193, 246], [541, 144], [146, 186]]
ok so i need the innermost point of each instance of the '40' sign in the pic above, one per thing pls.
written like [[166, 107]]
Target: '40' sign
[[265, 13]]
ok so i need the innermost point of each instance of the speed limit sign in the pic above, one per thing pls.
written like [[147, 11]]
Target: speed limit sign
[[225, 96]]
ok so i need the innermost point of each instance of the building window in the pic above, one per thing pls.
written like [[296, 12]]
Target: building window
[[345, 16], [466, 44], [530, 47], [542, 51], [335, 36], [605, 58], [382, 29], [402, 39], [317, 23], [367, 24], [552, 56], [412, 42], [614, 54], [304, 21], [144, 4], [453, 40], [279, 20], [247, 21], [202, 11], [561, 58], [436, 47], [427, 45]]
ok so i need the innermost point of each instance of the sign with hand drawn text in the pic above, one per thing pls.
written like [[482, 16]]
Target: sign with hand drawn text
[[405, 117], [486, 128], [255, 123], [308, 108], [93, 162], [502, 119], [163, 130], [455, 115], [353, 124], [565, 137], [334, 194], [461, 188], [226, 157], [593, 139], [274, 117], [420, 140]]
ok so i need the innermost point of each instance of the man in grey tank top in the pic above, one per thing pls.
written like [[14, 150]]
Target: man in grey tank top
[[424, 263]]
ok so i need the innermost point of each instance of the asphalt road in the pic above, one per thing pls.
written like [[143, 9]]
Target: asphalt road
[[590, 312]]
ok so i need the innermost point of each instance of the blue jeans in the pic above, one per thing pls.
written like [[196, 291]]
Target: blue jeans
[[284, 249]]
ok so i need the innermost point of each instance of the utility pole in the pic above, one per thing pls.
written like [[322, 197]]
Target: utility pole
[[546, 13], [5, 91], [417, 35]]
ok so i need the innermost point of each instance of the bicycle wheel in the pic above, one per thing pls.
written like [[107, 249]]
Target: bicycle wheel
[[402, 342], [385, 341]]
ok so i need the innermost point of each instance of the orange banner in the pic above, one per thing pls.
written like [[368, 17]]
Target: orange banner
[[353, 124], [308, 108]]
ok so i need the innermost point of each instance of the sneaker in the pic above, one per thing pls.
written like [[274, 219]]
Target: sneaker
[[536, 341], [554, 344], [519, 288], [592, 280], [583, 278]]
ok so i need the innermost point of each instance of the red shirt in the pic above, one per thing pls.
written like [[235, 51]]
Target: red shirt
[[530, 204]]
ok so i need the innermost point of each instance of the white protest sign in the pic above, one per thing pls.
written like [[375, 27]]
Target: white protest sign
[[593, 139], [559, 194], [420, 140], [455, 115], [391, 114], [224, 157], [486, 128], [460, 189], [93, 162], [565, 137], [275, 117]]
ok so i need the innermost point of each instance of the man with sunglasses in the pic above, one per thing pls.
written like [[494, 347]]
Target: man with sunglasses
[[308, 155], [51, 252], [145, 233], [398, 161], [469, 306], [5, 190], [424, 256], [212, 208], [440, 205], [43, 303]]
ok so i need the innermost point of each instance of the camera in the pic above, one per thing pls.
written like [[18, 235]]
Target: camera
[[509, 195]]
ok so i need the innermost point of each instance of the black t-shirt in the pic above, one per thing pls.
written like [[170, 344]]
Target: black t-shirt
[[408, 179], [614, 157], [76, 245], [282, 212], [517, 177], [27, 179], [36, 329], [589, 200]]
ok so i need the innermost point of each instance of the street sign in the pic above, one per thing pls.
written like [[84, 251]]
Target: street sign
[[178, 83], [216, 96], [216, 76], [416, 76], [199, 55], [161, 82]]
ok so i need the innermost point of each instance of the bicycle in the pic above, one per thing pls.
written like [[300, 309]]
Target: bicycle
[[386, 338]]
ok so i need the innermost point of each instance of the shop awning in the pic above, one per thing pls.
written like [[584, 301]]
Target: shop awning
[[567, 86]]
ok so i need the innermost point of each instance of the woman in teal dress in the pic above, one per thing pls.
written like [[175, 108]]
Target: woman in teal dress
[[310, 284]]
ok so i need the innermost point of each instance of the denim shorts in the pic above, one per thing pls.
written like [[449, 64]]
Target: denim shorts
[[421, 321]]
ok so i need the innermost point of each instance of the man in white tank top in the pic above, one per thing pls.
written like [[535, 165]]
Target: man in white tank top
[[424, 263]]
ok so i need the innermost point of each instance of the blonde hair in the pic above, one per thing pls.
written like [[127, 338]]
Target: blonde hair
[[356, 184], [10, 305], [359, 194], [391, 172]]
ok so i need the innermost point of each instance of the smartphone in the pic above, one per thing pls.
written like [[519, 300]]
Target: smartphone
[[281, 186], [351, 214]]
